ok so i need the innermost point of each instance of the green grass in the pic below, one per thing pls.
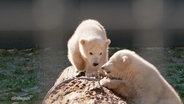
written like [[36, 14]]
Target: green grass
[[18, 76], [175, 70], [27, 75]]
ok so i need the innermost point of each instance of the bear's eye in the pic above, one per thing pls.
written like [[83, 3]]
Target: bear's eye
[[90, 53], [100, 53]]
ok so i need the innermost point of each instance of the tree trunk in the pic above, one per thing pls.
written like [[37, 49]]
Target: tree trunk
[[69, 89]]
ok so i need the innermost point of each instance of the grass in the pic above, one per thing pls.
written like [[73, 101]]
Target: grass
[[18, 76], [175, 71], [26, 75]]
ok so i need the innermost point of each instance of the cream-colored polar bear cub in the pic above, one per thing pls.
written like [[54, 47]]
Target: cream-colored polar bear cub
[[137, 80], [88, 47]]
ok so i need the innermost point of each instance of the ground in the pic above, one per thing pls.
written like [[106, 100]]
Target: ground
[[26, 75]]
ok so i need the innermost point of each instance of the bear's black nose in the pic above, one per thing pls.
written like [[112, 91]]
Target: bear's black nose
[[95, 64]]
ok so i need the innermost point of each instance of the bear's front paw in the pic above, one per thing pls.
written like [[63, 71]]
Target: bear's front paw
[[105, 82]]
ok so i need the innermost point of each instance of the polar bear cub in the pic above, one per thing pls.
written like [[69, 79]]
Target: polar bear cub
[[137, 80], [88, 47]]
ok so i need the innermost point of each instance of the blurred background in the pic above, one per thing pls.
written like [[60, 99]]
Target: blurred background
[[129, 23], [48, 24]]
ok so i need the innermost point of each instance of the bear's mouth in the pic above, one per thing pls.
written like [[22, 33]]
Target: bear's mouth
[[107, 74], [111, 77]]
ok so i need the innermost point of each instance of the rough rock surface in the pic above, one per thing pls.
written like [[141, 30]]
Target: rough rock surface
[[80, 90]]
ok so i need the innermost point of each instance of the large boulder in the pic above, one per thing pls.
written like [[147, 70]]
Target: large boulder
[[71, 88]]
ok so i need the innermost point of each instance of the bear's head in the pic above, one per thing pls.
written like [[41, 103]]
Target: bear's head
[[118, 64], [94, 50]]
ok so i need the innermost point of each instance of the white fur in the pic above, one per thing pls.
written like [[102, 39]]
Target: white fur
[[140, 81], [90, 36]]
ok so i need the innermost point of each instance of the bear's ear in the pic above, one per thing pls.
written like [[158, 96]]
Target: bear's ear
[[125, 59], [82, 41], [108, 41]]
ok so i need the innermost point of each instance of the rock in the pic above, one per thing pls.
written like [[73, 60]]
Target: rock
[[80, 90]]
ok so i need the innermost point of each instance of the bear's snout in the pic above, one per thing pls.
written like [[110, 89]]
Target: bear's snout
[[95, 64], [105, 69]]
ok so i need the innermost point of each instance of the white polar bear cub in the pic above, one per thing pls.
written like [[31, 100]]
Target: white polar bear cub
[[88, 47], [137, 80]]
